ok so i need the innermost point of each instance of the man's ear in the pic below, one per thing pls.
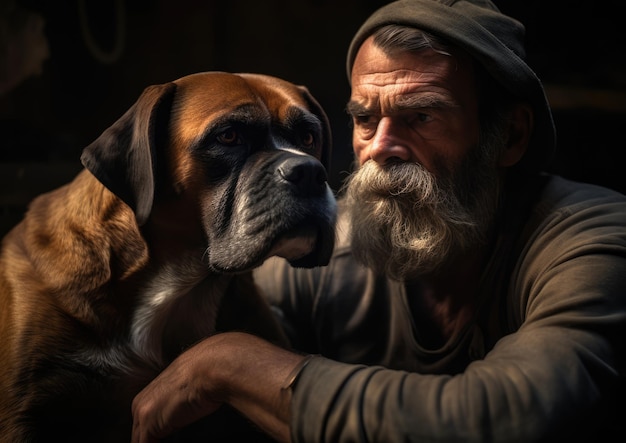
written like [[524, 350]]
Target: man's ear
[[520, 130]]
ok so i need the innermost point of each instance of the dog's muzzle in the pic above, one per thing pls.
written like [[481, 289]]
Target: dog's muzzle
[[285, 207]]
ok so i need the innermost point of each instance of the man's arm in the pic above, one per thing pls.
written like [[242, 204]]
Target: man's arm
[[242, 370]]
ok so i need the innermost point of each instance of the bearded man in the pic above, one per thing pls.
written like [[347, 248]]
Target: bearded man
[[470, 297]]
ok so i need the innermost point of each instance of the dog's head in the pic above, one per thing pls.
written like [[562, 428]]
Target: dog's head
[[238, 157]]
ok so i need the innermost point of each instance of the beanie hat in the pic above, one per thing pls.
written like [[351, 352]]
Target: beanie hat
[[495, 40]]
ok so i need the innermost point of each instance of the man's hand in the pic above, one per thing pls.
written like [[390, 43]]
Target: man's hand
[[180, 395], [235, 368]]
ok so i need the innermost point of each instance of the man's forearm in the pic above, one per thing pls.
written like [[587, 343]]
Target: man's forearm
[[246, 372], [259, 382]]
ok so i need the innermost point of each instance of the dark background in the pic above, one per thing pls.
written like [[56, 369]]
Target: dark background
[[577, 49]]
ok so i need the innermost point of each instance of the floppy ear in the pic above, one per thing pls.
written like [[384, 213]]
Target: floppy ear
[[327, 142], [123, 158]]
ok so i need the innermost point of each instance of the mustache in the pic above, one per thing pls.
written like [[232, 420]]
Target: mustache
[[407, 185], [398, 179]]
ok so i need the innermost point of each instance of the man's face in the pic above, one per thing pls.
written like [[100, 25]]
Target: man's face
[[427, 186], [419, 107]]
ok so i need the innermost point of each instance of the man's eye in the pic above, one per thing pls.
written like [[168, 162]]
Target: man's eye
[[365, 126], [364, 120], [229, 137], [420, 117]]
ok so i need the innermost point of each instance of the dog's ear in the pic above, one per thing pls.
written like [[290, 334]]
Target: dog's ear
[[327, 142], [124, 159]]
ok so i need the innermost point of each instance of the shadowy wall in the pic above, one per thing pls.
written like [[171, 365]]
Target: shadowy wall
[[47, 119]]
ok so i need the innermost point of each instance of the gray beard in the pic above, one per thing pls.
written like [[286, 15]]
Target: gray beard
[[407, 222]]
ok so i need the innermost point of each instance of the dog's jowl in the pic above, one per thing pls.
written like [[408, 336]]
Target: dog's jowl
[[151, 247]]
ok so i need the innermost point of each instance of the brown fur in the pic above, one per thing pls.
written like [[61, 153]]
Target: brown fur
[[151, 247]]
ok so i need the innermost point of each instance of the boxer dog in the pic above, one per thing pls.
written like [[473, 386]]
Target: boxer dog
[[150, 248]]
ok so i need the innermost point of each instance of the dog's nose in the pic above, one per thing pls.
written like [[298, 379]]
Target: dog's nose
[[307, 174]]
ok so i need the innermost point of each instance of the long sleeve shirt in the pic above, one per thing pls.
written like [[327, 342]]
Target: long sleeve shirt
[[542, 359]]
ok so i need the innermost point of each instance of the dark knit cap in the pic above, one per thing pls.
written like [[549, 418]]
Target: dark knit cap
[[492, 38]]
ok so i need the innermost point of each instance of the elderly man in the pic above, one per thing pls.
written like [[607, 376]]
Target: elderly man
[[470, 297]]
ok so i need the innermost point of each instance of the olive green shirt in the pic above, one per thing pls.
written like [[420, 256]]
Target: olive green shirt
[[543, 358]]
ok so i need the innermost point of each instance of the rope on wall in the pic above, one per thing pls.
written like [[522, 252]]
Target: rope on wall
[[102, 56]]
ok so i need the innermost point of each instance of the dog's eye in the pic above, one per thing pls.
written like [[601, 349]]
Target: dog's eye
[[229, 137], [308, 139]]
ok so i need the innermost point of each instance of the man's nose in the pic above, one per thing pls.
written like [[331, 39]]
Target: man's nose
[[388, 143]]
